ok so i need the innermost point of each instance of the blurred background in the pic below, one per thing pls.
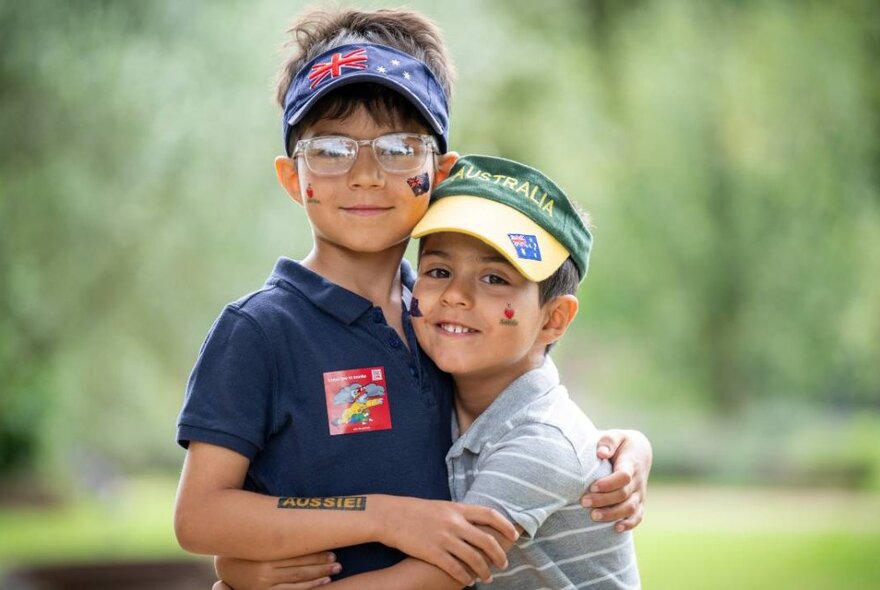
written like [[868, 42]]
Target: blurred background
[[728, 152]]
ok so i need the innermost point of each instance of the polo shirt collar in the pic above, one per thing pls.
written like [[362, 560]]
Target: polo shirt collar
[[341, 303], [492, 424]]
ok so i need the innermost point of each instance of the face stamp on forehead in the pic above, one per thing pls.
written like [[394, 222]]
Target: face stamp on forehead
[[419, 184], [414, 310], [508, 320]]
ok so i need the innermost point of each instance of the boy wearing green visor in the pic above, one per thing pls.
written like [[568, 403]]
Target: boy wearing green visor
[[502, 253]]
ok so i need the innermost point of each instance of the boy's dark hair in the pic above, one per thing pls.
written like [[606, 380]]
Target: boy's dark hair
[[317, 31], [564, 281]]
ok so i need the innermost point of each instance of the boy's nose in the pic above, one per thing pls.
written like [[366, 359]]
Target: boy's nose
[[456, 295], [366, 172]]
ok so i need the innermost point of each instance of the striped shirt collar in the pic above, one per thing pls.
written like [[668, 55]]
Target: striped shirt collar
[[495, 421]]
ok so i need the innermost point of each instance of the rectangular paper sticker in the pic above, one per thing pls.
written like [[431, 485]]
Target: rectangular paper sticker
[[357, 400]]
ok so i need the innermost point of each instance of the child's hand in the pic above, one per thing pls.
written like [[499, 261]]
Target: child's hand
[[297, 573], [621, 495], [446, 535]]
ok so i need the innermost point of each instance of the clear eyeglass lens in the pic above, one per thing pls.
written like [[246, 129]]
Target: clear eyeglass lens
[[400, 152], [396, 152], [330, 155]]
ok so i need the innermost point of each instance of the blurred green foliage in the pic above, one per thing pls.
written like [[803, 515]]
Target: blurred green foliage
[[729, 153]]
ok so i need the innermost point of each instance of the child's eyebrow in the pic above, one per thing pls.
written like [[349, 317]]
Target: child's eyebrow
[[500, 259], [327, 131], [439, 253], [445, 255]]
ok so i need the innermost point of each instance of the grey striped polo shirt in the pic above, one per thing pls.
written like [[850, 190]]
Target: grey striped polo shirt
[[531, 455]]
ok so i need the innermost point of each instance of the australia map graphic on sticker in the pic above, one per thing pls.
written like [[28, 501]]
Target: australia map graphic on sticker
[[357, 400]]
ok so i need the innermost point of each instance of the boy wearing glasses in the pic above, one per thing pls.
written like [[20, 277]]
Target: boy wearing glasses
[[312, 420]]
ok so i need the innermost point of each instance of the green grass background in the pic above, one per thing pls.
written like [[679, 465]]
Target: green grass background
[[692, 537]]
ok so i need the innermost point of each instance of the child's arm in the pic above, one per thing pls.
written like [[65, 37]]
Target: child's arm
[[412, 574], [308, 571], [621, 495], [527, 503], [214, 516]]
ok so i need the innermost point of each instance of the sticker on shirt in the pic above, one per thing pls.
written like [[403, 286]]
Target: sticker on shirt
[[357, 400]]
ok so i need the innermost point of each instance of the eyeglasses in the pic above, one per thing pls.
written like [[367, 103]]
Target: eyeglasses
[[332, 155]]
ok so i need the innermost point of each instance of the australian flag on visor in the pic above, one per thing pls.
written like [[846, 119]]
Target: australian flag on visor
[[355, 59], [367, 62], [526, 246]]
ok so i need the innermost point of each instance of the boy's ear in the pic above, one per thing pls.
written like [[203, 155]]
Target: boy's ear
[[558, 315], [288, 177], [444, 165]]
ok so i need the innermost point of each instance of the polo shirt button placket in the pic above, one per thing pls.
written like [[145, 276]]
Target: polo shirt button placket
[[394, 341], [378, 317]]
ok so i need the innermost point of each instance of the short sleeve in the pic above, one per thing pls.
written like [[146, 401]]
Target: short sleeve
[[528, 475], [230, 391]]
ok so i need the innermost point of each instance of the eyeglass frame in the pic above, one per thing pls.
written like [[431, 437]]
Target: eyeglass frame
[[428, 140]]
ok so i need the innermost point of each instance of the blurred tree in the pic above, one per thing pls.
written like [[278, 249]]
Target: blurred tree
[[739, 236], [728, 151], [61, 260], [111, 190]]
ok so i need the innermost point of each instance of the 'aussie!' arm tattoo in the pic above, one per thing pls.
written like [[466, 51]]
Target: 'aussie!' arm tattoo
[[329, 503]]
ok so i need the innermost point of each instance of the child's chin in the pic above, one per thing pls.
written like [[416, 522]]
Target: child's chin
[[455, 367]]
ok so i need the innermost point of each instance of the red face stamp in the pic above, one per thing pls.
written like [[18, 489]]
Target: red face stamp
[[310, 194], [508, 320]]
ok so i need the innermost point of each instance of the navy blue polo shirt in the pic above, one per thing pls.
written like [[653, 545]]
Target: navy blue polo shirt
[[308, 381]]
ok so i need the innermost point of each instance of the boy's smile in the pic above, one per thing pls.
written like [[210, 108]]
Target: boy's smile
[[468, 295]]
